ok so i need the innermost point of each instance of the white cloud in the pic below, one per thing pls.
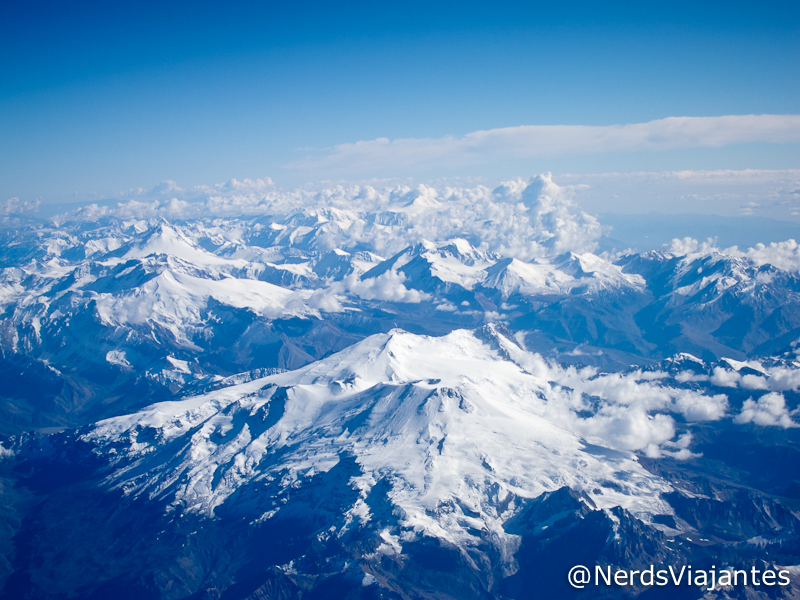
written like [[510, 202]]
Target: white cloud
[[686, 376], [171, 188], [630, 410], [776, 379], [630, 429], [132, 209], [782, 379], [690, 246], [698, 407], [769, 411], [527, 141], [17, 206], [768, 193], [166, 187], [784, 255], [386, 286], [551, 213], [325, 300], [754, 382], [521, 219], [725, 378], [679, 449]]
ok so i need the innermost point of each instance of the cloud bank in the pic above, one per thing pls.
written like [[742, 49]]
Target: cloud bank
[[519, 218], [529, 141], [523, 219], [747, 192]]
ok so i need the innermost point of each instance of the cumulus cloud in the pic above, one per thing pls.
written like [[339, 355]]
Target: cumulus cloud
[[631, 411], [725, 378], [247, 185], [784, 255], [783, 379], [524, 219], [642, 389], [699, 407], [325, 300], [690, 246], [447, 306], [529, 141], [386, 286], [521, 219], [632, 429], [776, 378], [687, 376], [17, 206], [754, 382], [561, 227], [769, 411]]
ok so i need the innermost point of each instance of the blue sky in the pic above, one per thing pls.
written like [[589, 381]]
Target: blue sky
[[97, 98]]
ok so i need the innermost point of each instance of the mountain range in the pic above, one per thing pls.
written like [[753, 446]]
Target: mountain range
[[421, 395]]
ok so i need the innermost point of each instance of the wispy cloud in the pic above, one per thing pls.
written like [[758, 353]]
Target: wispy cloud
[[766, 193], [528, 141]]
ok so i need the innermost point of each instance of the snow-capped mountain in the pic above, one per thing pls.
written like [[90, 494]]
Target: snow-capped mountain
[[273, 294], [403, 406], [403, 453], [717, 303], [563, 275], [403, 393]]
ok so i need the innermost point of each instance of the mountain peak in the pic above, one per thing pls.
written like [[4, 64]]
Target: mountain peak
[[408, 408], [169, 240]]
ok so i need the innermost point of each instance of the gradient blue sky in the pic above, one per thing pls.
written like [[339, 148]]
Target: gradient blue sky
[[97, 98]]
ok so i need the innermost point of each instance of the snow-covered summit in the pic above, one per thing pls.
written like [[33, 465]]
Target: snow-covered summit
[[409, 409], [428, 265], [566, 274]]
